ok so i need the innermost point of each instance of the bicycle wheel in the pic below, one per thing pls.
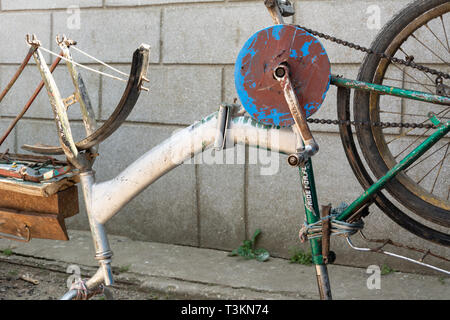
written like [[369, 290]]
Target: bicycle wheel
[[418, 32]]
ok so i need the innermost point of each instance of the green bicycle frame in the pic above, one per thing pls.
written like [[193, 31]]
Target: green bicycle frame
[[388, 90], [310, 194]]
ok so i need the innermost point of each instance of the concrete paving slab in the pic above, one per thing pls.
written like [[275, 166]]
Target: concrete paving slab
[[198, 273]]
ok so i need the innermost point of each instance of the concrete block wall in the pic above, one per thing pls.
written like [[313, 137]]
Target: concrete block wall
[[194, 46]]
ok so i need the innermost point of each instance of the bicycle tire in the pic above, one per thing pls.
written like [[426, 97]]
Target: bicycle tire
[[372, 140], [364, 178]]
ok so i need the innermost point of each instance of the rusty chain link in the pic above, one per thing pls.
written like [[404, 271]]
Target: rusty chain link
[[408, 62]]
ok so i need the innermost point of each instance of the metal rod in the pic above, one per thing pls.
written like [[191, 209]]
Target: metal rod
[[298, 113], [103, 251], [110, 196], [323, 282], [29, 103], [61, 118], [81, 93], [18, 72], [393, 91], [396, 256]]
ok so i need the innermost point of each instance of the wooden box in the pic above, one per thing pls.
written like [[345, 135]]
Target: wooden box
[[33, 210]]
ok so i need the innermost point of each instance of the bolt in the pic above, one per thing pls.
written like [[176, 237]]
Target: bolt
[[293, 160], [280, 72]]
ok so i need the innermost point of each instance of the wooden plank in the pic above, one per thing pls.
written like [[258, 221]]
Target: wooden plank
[[37, 189], [64, 202], [41, 225]]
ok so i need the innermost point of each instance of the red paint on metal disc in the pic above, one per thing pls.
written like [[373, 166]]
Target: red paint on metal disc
[[261, 94]]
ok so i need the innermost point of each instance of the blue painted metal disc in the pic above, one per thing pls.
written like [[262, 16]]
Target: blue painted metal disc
[[261, 94]]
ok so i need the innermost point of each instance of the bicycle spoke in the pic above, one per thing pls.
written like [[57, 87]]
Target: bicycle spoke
[[405, 81], [445, 32], [426, 174], [440, 167], [416, 81], [426, 74], [439, 40], [412, 143], [417, 163], [434, 53], [408, 131]]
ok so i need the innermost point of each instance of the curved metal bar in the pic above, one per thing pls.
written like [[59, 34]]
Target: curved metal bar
[[110, 196], [129, 98], [396, 256]]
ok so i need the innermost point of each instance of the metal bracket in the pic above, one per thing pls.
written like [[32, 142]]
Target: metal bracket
[[286, 8], [279, 9], [434, 119], [226, 111], [70, 100], [32, 40], [441, 88]]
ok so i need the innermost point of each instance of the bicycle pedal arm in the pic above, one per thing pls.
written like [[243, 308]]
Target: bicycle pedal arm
[[281, 73]]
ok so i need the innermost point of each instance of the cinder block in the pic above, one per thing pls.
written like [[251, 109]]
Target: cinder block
[[27, 83], [221, 201], [44, 132], [14, 26], [21, 92], [48, 4], [275, 202], [9, 142], [164, 212], [151, 2], [348, 20], [111, 35], [210, 34], [178, 94]]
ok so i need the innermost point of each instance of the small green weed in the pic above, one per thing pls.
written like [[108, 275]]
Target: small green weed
[[124, 268], [301, 257], [7, 252], [248, 251], [385, 269]]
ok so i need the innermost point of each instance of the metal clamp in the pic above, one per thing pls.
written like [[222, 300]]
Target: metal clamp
[[223, 118], [279, 9]]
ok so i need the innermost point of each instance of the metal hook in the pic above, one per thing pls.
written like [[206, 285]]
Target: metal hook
[[64, 41], [32, 40]]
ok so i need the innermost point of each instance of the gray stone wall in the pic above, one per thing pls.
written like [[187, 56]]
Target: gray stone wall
[[194, 46]]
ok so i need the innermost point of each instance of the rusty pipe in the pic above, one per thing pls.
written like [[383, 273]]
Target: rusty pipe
[[18, 72], [31, 100]]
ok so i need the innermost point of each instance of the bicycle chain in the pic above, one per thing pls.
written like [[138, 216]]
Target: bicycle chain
[[408, 62], [373, 124]]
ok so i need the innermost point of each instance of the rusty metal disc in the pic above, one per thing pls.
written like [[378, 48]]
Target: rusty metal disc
[[261, 94]]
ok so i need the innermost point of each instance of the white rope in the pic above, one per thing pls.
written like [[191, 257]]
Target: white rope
[[82, 66], [99, 61]]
